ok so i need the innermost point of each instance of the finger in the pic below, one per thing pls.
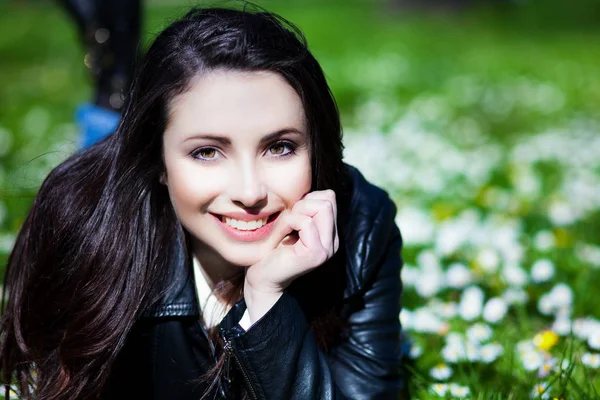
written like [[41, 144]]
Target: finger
[[308, 233], [309, 243], [328, 195], [311, 207], [323, 216], [320, 194]]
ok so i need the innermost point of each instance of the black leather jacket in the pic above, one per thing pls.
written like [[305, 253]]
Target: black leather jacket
[[278, 358]]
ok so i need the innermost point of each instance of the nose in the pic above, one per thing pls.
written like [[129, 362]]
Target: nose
[[248, 188]]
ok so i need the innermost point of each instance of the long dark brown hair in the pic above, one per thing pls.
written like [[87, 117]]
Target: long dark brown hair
[[97, 239]]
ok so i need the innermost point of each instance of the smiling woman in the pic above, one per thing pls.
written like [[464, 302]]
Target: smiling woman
[[244, 134], [215, 245]]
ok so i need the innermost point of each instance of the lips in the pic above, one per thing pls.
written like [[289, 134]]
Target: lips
[[247, 234]]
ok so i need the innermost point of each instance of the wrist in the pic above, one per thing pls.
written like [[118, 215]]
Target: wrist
[[259, 300]]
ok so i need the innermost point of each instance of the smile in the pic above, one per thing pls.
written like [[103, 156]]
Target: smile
[[244, 230], [244, 225]]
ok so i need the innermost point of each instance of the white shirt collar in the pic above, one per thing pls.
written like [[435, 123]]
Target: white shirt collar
[[211, 309]]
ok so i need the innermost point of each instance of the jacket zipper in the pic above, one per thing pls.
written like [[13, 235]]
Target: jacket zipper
[[213, 355], [229, 350]]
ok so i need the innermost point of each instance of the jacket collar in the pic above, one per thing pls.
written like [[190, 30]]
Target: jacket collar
[[180, 297]]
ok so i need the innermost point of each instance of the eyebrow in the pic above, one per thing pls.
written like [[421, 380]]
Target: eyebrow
[[265, 139]]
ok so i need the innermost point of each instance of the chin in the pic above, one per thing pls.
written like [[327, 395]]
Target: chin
[[241, 260], [245, 254]]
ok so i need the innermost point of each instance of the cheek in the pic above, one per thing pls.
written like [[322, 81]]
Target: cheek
[[189, 189], [292, 180]]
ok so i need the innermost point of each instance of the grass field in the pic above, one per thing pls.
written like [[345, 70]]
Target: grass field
[[484, 128]]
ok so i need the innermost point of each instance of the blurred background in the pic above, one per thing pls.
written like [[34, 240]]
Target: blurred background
[[479, 117]]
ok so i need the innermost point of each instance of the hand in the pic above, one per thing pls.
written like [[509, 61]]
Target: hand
[[311, 238]]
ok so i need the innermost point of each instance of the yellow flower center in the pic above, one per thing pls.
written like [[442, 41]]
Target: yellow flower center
[[545, 340]]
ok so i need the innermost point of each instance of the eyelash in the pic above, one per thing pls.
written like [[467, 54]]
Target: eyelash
[[286, 143]]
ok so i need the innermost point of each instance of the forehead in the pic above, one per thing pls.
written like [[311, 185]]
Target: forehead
[[235, 103]]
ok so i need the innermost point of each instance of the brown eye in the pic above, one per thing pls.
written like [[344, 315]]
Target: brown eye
[[278, 149], [282, 149], [206, 154]]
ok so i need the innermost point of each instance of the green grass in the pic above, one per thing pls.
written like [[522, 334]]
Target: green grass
[[489, 77]]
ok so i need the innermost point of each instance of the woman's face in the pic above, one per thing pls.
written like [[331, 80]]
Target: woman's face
[[236, 151]]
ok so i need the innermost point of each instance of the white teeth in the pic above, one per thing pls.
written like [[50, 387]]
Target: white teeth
[[243, 225]]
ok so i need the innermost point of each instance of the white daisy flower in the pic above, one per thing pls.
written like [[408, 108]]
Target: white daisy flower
[[428, 260], [495, 310], [418, 227], [410, 275], [544, 240], [446, 310], [459, 391], [7, 242], [562, 295], [582, 327], [472, 351], [458, 276], [406, 319], [424, 320], [490, 352], [453, 352], [591, 360], [545, 304], [542, 270], [441, 372], [471, 303], [440, 389], [451, 235], [431, 285], [590, 254], [546, 368], [479, 332], [454, 337], [514, 295], [488, 259], [532, 360], [594, 339], [562, 213], [562, 326], [514, 275], [526, 182], [415, 351], [540, 390], [525, 346], [563, 311]]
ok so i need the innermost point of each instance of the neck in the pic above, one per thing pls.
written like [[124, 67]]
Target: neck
[[213, 266]]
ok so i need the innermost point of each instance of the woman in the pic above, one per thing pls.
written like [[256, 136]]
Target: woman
[[215, 245]]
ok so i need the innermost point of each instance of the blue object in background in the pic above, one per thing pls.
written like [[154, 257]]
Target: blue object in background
[[95, 123]]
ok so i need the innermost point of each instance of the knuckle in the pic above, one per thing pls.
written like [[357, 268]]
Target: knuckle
[[297, 205], [307, 221]]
